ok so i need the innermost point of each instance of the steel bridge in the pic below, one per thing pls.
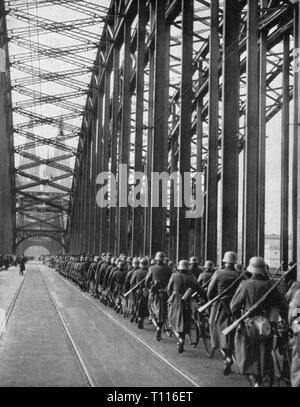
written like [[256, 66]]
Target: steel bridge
[[158, 85]]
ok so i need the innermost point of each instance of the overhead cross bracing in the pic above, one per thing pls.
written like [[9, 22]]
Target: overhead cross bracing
[[187, 85], [52, 48]]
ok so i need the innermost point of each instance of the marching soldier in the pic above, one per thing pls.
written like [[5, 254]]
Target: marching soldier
[[140, 296], [194, 266], [128, 303], [117, 284], [180, 288], [208, 271], [253, 339], [101, 273], [157, 280], [220, 315], [293, 296], [91, 274]]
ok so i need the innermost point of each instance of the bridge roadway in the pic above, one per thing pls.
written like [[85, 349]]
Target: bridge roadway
[[55, 335]]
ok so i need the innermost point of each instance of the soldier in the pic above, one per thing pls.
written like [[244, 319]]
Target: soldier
[[117, 284], [293, 296], [220, 315], [129, 264], [194, 266], [91, 274], [140, 296], [253, 339], [208, 271], [157, 280], [110, 267], [180, 288], [128, 303], [172, 267], [101, 269]]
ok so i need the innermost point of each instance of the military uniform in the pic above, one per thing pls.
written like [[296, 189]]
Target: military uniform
[[220, 315], [252, 350], [179, 311], [157, 280], [294, 321], [140, 296]]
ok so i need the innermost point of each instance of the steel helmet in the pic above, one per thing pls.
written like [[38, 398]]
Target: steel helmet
[[257, 265], [183, 265], [230, 257], [144, 262], [123, 258], [153, 262], [193, 260], [136, 260], [113, 260], [129, 259], [96, 258], [159, 256], [208, 264]]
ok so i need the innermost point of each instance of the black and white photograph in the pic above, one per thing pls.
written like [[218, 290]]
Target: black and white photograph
[[149, 196]]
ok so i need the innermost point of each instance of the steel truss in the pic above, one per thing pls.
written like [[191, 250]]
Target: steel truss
[[42, 201], [185, 97]]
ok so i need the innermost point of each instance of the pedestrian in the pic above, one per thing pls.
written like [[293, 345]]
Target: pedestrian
[[22, 262]]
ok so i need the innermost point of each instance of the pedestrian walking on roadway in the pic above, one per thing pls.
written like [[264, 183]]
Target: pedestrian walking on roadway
[[22, 262]]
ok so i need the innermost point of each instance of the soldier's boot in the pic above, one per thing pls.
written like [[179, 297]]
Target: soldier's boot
[[132, 318], [158, 331], [141, 323], [180, 345]]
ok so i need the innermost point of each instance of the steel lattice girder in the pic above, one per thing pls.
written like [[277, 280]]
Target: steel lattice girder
[[277, 18], [27, 37]]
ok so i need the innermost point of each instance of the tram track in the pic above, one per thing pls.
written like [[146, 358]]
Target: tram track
[[10, 309], [74, 346], [132, 334]]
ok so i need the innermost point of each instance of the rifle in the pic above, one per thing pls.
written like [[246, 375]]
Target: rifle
[[209, 303], [134, 288], [236, 323], [203, 286]]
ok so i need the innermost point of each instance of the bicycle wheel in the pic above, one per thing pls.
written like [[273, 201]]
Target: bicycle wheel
[[205, 335], [282, 367], [194, 333]]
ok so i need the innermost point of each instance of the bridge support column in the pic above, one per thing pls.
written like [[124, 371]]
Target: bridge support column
[[99, 130], [296, 162], [262, 139], [7, 204], [124, 144], [252, 136], [213, 136], [285, 133], [230, 131], [114, 140], [160, 135], [137, 213], [185, 131]]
